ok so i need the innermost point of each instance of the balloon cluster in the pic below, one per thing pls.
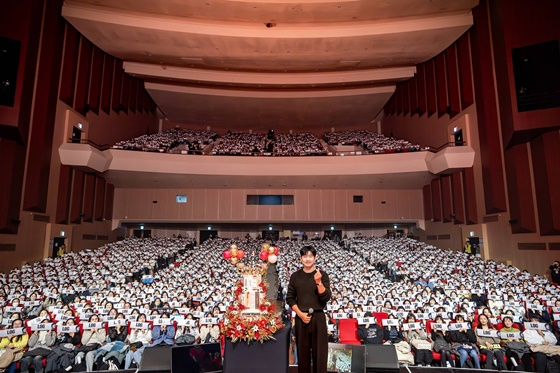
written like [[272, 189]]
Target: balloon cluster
[[233, 254], [269, 253]]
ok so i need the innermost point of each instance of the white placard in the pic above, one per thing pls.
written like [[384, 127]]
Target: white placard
[[338, 316], [493, 333], [412, 326], [440, 326], [162, 321], [115, 322], [535, 325], [390, 322], [11, 332], [42, 326], [139, 325], [504, 335], [68, 329], [209, 320], [92, 325], [366, 320]]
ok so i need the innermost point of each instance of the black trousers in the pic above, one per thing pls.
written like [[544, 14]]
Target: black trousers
[[312, 341]]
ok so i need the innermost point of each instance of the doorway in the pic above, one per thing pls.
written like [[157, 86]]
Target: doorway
[[204, 235], [270, 235], [458, 137], [57, 243], [142, 233], [76, 135]]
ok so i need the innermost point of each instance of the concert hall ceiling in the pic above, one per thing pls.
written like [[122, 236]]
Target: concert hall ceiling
[[282, 64]]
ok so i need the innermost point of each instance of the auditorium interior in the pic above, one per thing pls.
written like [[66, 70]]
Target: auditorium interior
[[435, 120]]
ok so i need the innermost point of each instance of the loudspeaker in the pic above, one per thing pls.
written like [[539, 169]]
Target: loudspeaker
[[537, 76], [381, 359], [156, 359], [10, 50]]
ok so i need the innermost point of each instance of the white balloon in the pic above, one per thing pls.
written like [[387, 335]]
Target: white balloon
[[272, 258]]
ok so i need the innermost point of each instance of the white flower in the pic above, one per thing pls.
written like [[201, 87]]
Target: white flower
[[239, 327], [255, 328]]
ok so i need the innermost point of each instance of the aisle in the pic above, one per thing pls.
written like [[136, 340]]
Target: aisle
[[272, 280]]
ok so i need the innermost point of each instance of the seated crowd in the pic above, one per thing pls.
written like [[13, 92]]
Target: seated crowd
[[100, 309], [284, 144], [193, 140], [370, 141]]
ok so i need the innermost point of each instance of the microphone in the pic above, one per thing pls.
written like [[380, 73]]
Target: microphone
[[309, 313]]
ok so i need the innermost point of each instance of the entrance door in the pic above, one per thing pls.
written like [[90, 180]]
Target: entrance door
[[76, 135], [332, 233], [204, 235], [271, 235], [57, 243], [458, 135]]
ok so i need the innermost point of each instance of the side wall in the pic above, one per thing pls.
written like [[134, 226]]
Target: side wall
[[509, 198], [62, 80]]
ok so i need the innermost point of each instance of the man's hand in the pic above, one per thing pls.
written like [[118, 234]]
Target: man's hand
[[304, 317], [317, 276]]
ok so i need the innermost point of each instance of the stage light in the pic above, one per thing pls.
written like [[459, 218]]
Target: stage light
[[142, 227], [209, 227], [332, 227], [395, 226]]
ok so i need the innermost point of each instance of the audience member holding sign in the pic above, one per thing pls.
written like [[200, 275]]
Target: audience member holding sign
[[489, 343], [463, 341], [14, 341]]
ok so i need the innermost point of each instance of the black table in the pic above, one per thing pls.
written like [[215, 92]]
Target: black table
[[270, 356]]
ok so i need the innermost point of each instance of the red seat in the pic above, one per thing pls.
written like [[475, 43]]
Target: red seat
[[348, 331]]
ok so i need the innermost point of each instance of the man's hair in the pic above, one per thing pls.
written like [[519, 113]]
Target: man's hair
[[307, 249]]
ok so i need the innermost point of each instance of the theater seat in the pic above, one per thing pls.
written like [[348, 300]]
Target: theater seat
[[348, 331]]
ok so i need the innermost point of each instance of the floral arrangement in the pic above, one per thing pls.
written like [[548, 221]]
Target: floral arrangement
[[250, 327]]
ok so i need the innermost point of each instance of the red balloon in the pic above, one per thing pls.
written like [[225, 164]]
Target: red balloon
[[240, 254], [263, 255], [275, 250], [226, 254]]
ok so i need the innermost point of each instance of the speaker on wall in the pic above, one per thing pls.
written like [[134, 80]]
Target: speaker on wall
[[9, 55], [536, 70], [381, 359]]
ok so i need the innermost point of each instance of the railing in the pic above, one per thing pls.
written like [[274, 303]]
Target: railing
[[89, 142], [434, 149]]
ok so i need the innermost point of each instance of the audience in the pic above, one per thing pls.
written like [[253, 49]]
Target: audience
[[408, 281], [369, 141], [193, 140]]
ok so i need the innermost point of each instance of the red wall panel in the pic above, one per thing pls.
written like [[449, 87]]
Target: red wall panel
[[413, 96], [436, 199], [457, 197], [125, 93], [77, 199], [441, 84], [133, 94], [63, 198], [471, 210], [83, 78], [452, 80], [427, 197], [25, 28], [487, 114], [107, 85], [406, 97], [431, 93], [89, 197], [12, 155], [70, 65], [465, 73], [99, 199], [546, 172], [117, 85], [446, 201], [398, 97], [520, 191], [44, 110], [421, 86], [109, 195], [96, 80]]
